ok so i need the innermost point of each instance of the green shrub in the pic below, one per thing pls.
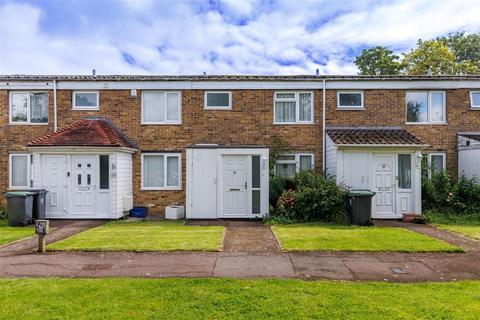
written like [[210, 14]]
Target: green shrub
[[277, 186], [3, 213], [315, 198], [442, 194]]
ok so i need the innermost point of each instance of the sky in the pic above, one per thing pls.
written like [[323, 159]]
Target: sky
[[265, 37]]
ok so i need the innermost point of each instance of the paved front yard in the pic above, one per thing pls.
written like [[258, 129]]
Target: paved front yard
[[145, 236], [10, 234], [127, 298], [321, 237]]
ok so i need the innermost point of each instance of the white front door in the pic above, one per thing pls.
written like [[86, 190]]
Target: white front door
[[384, 171], [84, 184], [234, 185], [55, 181]]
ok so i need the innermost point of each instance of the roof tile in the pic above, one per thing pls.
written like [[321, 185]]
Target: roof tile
[[372, 136]]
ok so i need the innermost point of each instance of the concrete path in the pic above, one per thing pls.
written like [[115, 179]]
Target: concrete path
[[245, 257], [61, 229]]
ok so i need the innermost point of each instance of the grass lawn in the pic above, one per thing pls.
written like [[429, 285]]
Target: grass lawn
[[468, 225], [125, 298], [145, 236], [9, 234], [322, 237]]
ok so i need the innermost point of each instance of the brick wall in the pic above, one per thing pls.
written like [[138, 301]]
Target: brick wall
[[250, 122]]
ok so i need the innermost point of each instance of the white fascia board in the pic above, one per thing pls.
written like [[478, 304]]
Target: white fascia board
[[406, 84], [22, 85]]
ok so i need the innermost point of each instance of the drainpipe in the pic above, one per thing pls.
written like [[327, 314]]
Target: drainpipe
[[324, 106], [55, 105]]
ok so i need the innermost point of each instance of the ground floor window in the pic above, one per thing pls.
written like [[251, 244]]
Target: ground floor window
[[434, 162], [19, 170], [287, 165], [161, 171], [405, 171]]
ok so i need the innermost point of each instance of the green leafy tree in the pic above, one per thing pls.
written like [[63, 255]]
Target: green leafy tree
[[378, 61], [430, 55], [466, 49]]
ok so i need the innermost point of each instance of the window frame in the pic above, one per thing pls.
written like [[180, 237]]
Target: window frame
[[29, 107], [10, 170], [165, 174], [340, 107], [429, 161], [429, 107], [297, 106], [472, 106], [205, 101], [166, 122], [296, 161], [92, 108]]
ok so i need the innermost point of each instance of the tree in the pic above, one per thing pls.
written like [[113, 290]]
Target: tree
[[430, 55], [378, 61], [466, 49]]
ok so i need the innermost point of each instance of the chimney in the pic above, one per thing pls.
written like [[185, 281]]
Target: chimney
[[94, 73], [317, 72]]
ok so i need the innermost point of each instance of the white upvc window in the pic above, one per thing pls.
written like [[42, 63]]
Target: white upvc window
[[28, 107], [287, 165], [475, 99], [19, 171], [161, 171], [293, 107], [426, 107], [85, 100], [350, 100], [161, 107], [218, 100], [436, 162]]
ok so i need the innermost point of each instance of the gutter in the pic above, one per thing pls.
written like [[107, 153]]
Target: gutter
[[55, 123]]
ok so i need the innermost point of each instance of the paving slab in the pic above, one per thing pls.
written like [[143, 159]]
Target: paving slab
[[254, 265], [320, 266]]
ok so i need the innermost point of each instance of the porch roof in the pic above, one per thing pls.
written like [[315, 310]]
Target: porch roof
[[375, 136], [85, 133]]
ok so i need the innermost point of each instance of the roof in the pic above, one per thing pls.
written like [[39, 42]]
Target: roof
[[25, 77], [473, 136], [372, 136], [85, 133]]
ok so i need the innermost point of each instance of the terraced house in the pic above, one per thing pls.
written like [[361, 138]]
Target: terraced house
[[99, 144]]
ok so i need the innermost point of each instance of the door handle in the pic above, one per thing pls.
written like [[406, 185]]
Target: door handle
[[235, 189], [245, 185]]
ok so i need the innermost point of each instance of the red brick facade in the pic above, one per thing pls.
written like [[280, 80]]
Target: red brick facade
[[250, 122]]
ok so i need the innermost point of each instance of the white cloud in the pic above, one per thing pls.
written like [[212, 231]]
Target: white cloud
[[234, 37]]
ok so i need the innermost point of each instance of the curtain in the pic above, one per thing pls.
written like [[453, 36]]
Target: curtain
[[305, 162], [172, 171], [305, 106], [286, 170], [285, 112], [20, 171], [153, 107], [153, 174], [39, 107], [19, 107]]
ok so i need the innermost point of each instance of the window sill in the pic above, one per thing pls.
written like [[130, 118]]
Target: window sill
[[351, 108], [160, 123], [162, 189], [28, 124], [86, 109], [217, 108], [426, 123], [293, 123], [475, 108]]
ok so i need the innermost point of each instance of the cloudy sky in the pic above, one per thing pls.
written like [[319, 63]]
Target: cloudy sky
[[215, 36]]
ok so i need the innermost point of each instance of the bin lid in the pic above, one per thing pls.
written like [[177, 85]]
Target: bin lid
[[13, 194], [361, 193]]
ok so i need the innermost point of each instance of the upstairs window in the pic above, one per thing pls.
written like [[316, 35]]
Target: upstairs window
[[161, 107], [288, 165], [350, 100], [426, 107], [28, 107], [293, 107], [83, 100], [216, 100], [475, 99]]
